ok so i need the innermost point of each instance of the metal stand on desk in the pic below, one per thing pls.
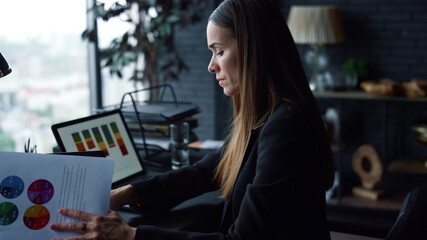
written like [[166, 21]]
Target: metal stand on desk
[[179, 147], [137, 113]]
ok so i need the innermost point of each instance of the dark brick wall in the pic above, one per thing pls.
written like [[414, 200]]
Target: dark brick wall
[[197, 85], [390, 35]]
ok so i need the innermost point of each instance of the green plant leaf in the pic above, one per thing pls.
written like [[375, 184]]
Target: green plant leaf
[[356, 66], [89, 35], [99, 10]]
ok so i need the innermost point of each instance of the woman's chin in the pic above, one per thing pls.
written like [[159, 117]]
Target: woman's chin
[[230, 92]]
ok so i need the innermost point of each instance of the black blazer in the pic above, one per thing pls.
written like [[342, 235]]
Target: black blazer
[[278, 193]]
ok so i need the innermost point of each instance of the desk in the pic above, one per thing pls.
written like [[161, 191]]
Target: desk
[[163, 158], [345, 236], [161, 163], [195, 214], [347, 217], [356, 215]]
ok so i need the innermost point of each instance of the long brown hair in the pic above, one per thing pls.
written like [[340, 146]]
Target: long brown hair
[[269, 70]]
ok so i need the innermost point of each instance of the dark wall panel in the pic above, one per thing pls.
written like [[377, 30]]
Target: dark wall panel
[[390, 35]]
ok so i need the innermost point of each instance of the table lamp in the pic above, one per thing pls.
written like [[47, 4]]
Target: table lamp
[[317, 26], [4, 67]]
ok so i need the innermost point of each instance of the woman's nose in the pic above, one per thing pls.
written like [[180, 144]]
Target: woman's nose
[[212, 67]]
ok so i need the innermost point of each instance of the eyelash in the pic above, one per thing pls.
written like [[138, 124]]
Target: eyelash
[[220, 53]]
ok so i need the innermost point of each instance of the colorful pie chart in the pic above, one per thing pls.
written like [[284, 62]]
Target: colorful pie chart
[[40, 191], [36, 217], [11, 187], [8, 213]]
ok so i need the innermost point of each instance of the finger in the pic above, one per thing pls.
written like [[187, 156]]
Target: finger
[[70, 238], [77, 214], [112, 213], [67, 227]]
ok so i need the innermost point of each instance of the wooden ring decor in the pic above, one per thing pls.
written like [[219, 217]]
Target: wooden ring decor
[[372, 177]]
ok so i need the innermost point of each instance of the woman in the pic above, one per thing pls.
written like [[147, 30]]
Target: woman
[[276, 163]]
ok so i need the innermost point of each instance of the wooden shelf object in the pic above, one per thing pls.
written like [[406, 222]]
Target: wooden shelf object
[[412, 167], [388, 202], [361, 95]]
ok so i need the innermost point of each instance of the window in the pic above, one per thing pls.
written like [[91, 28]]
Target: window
[[41, 41], [113, 87]]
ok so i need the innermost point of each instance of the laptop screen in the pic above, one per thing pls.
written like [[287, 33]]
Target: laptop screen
[[101, 132]]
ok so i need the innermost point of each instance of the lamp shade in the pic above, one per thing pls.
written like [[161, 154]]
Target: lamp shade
[[4, 67], [315, 24]]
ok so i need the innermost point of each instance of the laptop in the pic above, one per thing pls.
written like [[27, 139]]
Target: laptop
[[106, 132]]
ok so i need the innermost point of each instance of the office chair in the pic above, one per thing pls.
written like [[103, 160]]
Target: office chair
[[411, 224]]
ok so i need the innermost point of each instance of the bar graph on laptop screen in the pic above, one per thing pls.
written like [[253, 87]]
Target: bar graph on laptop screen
[[106, 132]]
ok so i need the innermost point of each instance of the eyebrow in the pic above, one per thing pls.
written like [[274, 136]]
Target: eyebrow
[[212, 45]]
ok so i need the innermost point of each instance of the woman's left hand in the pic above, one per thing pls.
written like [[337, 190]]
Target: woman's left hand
[[110, 227]]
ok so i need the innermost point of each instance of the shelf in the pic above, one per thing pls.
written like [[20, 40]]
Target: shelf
[[364, 217], [383, 122], [360, 95], [390, 202], [413, 167]]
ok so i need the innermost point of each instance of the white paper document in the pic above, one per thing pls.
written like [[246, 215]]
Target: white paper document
[[34, 186]]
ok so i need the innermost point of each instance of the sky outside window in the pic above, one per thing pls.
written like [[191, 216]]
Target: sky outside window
[[41, 41]]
